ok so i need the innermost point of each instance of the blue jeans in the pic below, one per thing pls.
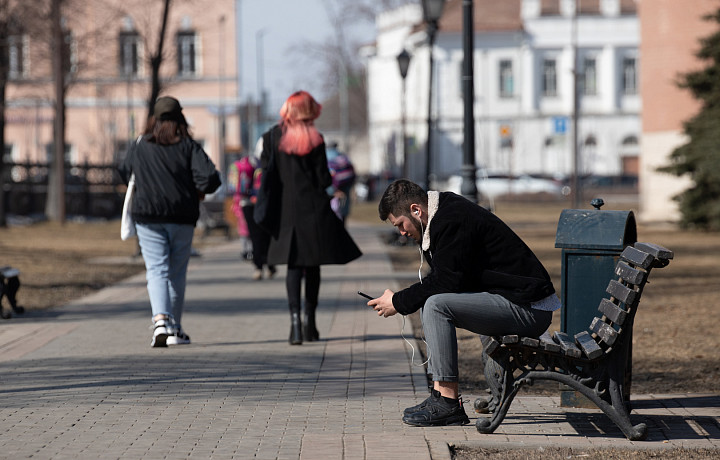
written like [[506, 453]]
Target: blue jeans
[[483, 313], [166, 250]]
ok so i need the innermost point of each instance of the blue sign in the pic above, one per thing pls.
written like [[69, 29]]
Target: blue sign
[[560, 125]]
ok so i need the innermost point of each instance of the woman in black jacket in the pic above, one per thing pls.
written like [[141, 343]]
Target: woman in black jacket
[[172, 174], [309, 234]]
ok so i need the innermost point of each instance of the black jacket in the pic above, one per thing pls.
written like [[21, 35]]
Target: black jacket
[[310, 233], [472, 250], [168, 180]]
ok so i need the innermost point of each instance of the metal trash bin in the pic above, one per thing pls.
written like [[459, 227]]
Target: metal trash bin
[[591, 242]]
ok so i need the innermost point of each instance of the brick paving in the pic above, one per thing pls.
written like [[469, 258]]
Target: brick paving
[[81, 381]]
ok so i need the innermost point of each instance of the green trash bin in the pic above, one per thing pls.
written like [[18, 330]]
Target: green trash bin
[[591, 242]]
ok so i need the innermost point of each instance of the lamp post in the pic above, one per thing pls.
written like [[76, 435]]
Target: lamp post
[[403, 60], [468, 188], [260, 77], [432, 10], [221, 94]]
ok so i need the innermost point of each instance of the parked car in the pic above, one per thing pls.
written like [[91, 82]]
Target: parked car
[[492, 186]]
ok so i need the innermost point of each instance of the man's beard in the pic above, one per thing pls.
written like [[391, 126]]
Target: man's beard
[[419, 230]]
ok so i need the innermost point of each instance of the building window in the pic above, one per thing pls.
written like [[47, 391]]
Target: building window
[[550, 8], [50, 153], [129, 53], [507, 87], [186, 53], [7, 154], [589, 77], [629, 76], [17, 50], [549, 78]]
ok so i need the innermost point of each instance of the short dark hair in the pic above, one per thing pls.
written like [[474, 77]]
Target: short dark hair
[[399, 196]]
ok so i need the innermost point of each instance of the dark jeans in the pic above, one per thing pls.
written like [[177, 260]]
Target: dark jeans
[[483, 313]]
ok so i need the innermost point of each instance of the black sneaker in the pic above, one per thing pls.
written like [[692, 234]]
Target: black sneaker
[[437, 411], [417, 407]]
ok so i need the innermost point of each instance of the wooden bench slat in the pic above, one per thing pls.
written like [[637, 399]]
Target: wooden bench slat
[[629, 274], [656, 250], [589, 346], [510, 339], [567, 344], [492, 346], [637, 257], [621, 292], [604, 331], [530, 342], [551, 347], [614, 313]]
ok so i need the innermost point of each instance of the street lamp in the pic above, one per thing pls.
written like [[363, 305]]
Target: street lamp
[[469, 187], [403, 60], [432, 10]]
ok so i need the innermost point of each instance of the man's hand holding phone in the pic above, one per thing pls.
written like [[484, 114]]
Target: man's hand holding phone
[[383, 304]]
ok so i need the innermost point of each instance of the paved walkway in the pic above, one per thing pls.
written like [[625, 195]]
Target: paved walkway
[[80, 381]]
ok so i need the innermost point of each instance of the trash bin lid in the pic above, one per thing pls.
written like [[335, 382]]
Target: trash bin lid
[[595, 229]]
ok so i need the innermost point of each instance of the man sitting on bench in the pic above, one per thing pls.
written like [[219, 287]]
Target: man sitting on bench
[[483, 278]]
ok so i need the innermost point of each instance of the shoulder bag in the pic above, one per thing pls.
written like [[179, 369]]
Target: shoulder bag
[[127, 224]]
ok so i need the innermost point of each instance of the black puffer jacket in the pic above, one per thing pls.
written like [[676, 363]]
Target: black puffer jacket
[[169, 180], [472, 250]]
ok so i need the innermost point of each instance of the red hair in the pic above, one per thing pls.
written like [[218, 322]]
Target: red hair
[[299, 133]]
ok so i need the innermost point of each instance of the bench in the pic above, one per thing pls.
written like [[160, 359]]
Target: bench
[[594, 363], [9, 285]]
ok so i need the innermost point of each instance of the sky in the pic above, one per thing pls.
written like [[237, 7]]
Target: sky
[[277, 25]]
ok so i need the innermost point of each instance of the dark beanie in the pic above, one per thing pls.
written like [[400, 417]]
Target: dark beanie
[[167, 108]]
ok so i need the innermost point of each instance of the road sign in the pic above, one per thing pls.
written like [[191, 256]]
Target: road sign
[[560, 125]]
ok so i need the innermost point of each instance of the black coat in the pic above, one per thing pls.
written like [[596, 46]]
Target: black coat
[[472, 250], [310, 234], [168, 179]]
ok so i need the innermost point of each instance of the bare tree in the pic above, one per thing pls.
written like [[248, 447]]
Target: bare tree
[[13, 14], [341, 75], [156, 60]]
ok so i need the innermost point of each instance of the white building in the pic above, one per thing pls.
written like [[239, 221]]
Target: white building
[[523, 83]]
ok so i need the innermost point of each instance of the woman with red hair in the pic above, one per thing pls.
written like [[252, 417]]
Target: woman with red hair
[[309, 233]]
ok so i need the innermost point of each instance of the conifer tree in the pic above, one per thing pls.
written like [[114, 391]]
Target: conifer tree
[[699, 158]]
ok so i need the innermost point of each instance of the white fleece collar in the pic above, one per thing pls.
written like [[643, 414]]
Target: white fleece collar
[[433, 202]]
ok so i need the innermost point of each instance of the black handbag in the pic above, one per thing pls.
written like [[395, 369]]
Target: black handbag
[[269, 196]]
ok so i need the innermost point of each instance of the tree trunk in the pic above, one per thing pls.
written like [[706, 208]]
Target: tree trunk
[[156, 61], [55, 205], [4, 70]]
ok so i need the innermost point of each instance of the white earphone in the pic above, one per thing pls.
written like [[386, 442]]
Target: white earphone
[[417, 213]]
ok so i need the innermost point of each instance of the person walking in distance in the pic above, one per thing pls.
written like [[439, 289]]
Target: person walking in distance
[[249, 175], [309, 234], [172, 175]]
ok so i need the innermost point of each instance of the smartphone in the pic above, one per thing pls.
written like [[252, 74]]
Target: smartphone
[[365, 295]]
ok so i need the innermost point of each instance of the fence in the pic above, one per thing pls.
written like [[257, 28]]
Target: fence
[[90, 190]]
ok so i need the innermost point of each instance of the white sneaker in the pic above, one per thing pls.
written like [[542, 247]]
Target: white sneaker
[[160, 333], [179, 338]]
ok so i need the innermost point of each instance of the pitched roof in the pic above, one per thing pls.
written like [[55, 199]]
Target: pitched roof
[[489, 16]]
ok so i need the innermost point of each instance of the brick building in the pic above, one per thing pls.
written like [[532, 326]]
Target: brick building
[[108, 45]]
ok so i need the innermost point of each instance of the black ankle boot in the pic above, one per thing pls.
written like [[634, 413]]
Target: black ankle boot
[[295, 329], [310, 332]]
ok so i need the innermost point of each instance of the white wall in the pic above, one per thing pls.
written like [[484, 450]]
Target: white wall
[[608, 116]]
